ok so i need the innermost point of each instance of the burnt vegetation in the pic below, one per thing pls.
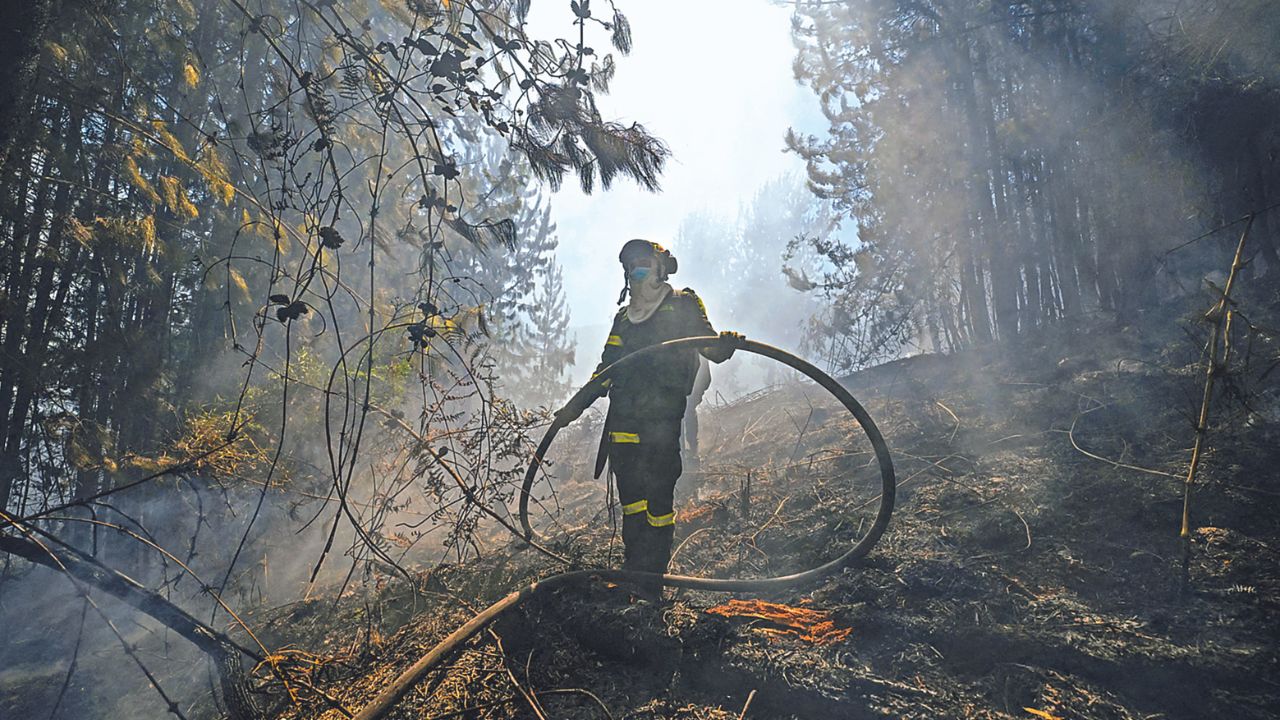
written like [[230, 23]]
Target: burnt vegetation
[[282, 321]]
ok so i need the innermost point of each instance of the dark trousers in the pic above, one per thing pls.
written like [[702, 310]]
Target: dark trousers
[[645, 457]]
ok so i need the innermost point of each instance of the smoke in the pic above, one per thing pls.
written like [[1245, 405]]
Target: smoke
[[1004, 171], [1028, 176], [736, 267], [348, 300]]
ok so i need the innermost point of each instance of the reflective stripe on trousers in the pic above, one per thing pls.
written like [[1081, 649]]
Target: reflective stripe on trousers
[[661, 520]]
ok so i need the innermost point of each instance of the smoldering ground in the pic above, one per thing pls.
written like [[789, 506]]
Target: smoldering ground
[[939, 229]]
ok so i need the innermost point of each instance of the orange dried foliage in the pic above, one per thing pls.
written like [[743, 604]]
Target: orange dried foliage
[[815, 626], [694, 514]]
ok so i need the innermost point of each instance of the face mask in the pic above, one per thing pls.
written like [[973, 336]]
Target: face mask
[[639, 274]]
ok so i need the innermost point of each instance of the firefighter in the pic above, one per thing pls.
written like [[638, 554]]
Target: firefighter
[[647, 402]]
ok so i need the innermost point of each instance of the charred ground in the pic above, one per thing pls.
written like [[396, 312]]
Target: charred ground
[[1022, 576], [1032, 569]]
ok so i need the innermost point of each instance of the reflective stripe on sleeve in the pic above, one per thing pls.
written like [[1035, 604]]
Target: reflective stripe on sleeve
[[661, 520], [615, 340], [635, 508], [624, 437]]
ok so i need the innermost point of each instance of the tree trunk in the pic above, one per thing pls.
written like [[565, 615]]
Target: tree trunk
[[23, 25], [1002, 246]]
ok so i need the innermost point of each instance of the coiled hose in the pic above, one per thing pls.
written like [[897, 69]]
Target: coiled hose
[[410, 677]]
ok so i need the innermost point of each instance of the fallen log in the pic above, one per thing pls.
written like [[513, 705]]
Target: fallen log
[[224, 651]]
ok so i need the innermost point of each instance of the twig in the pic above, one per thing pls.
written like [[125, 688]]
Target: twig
[[1115, 463], [770, 521], [800, 438], [1212, 370], [986, 501], [750, 696], [46, 556], [178, 468], [915, 474], [1221, 227], [75, 656], [579, 691], [684, 542], [528, 695], [439, 457], [955, 429]]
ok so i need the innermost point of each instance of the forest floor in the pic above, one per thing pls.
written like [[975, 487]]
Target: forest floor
[[1022, 576], [1032, 567]]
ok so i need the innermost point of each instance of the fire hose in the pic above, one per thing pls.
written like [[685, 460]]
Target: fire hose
[[410, 677]]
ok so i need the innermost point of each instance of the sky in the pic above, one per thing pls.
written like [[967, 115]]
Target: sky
[[722, 100]]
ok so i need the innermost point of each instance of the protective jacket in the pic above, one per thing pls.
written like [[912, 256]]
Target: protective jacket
[[641, 436], [656, 390]]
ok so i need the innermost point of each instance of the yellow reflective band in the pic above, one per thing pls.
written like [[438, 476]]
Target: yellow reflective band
[[621, 437], [662, 520], [635, 508], [614, 340]]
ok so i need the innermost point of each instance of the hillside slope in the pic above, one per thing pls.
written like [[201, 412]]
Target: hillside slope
[[1032, 569]]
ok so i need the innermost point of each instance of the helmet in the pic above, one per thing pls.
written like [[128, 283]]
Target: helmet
[[636, 249]]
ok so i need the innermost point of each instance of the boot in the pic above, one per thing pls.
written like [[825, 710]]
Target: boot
[[659, 543], [634, 530]]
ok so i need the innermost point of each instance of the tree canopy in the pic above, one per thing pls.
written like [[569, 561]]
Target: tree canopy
[[1011, 164]]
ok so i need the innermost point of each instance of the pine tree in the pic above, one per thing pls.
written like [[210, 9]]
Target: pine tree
[[547, 335], [1010, 165]]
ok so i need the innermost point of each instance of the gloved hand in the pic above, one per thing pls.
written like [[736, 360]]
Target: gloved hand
[[729, 342], [570, 412]]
